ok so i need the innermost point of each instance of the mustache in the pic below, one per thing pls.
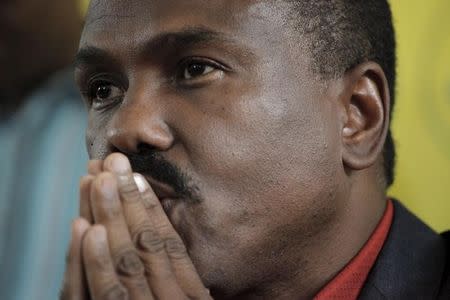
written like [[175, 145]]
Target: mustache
[[151, 163]]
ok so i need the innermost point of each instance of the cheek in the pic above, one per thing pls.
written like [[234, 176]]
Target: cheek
[[263, 182], [96, 142], [267, 142], [264, 157]]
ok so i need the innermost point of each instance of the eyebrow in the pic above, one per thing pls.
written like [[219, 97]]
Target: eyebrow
[[186, 37], [90, 55], [173, 41]]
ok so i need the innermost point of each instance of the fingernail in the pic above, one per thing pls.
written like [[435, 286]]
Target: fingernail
[[120, 165], [140, 182]]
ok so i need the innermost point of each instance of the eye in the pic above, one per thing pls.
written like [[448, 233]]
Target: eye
[[197, 69], [196, 72], [103, 93]]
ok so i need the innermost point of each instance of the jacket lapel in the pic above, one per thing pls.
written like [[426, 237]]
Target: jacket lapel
[[411, 262]]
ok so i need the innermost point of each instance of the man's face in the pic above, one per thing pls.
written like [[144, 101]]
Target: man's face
[[215, 103]]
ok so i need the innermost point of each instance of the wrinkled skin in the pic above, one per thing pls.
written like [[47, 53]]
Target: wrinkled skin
[[284, 166]]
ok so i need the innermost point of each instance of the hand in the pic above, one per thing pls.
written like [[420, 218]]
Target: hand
[[133, 251]]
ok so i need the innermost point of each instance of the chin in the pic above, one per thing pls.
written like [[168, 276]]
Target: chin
[[211, 269]]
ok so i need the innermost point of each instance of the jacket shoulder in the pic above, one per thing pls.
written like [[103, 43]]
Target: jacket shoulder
[[445, 288], [411, 264]]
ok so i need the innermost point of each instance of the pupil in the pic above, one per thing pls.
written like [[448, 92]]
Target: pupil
[[196, 69], [103, 91]]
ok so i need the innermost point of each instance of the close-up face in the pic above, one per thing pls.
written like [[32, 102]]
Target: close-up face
[[216, 104]]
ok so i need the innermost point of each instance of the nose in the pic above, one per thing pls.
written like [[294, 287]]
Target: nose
[[138, 123]]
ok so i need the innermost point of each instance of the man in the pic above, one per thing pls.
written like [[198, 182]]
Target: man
[[259, 131], [41, 135]]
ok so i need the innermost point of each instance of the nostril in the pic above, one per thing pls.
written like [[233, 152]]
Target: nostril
[[131, 133], [122, 140], [143, 149], [114, 149]]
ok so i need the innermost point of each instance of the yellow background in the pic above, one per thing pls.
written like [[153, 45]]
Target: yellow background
[[422, 114], [83, 6], [421, 122]]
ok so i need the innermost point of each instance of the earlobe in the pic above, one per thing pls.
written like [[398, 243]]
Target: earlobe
[[367, 116]]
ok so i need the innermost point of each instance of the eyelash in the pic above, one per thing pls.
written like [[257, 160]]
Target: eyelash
[[201, 61], [104, 79], [93, 86]]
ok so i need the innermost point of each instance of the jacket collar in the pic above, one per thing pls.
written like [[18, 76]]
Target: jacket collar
[[411, 262]]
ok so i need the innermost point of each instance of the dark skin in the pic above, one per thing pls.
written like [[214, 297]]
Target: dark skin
[[283, 166], [37, 37]]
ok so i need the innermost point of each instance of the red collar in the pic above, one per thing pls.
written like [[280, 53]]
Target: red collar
[[349, 282]]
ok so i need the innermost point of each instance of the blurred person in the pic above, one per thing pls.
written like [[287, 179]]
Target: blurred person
[[260, 131], [41, 128], [38, 37]]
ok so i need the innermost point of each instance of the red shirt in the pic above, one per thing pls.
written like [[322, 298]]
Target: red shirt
[[348, 283]]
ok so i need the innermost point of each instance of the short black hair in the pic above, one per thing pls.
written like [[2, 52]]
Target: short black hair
[[344, 33]]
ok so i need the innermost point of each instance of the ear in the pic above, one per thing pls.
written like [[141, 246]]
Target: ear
[[366, 110]]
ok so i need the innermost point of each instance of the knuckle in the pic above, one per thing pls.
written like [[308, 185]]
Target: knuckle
[[130, 193], [140, 285], [149, 200], [115, 292], [129, 264], [149, 206], [148, 240], [175, 248], [99, 263]]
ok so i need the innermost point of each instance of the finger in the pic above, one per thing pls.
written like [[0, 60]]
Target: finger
[[75, 287], [95, 166], [85, 190], [107, 210], [181, 263], [101, 276], [162, 250], [158, 269]]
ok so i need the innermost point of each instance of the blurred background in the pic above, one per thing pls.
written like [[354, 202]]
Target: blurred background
[[421, 121], [42, 124]]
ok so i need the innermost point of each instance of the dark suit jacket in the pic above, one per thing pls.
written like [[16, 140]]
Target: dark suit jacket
[[414, 262]]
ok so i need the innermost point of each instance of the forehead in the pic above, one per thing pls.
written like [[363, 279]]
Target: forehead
[[128, 23]]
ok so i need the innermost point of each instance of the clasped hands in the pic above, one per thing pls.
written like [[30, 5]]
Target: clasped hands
[[123, 246]]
